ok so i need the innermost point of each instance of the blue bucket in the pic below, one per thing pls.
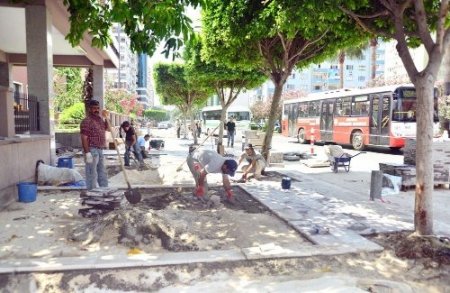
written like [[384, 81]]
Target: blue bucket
[[286, 183], [65, 162], [27, 191]]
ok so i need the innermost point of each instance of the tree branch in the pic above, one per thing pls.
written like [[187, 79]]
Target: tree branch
[[364, 26], [440, 28], [422, 26]]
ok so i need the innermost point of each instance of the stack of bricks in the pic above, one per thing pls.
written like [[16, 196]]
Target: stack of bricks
[[100, 201], [441, 159]]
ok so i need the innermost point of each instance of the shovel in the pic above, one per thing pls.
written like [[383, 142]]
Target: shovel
[[132, 195]]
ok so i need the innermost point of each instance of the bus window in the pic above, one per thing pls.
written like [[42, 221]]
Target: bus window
[[360, 106], [239, 116], [303, 109], [314, 109], [343, 106]]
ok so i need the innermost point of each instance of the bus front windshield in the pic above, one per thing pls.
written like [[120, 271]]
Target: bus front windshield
[[405, 106], [239, 116]]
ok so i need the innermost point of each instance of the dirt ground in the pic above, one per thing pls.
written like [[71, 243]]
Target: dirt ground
[[165, 220]]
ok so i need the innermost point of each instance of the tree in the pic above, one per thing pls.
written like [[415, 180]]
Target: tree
[[174, 85], [67, 86], [147, 23], [373, 57], [228, 82], [410, 23], [274, 37], [352, 52], [114, 97]]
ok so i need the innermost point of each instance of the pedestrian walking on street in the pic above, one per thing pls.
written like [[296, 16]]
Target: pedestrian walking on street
[[255, 163], [178, 126], [199, 128], [131, 144], [231, 131], [92, 131], [202, 162]]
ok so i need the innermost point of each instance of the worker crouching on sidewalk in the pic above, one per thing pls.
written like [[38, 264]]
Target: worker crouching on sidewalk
[[203, 162], [256, 163]]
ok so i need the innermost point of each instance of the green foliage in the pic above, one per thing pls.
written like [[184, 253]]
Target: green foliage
[[68, 87], [146, 22], [72, 115], [156, 114], [220, 76], [175, 86]]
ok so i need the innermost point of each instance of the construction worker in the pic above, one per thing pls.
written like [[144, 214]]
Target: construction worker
[[131, 145], [256, 163], [202, 162]]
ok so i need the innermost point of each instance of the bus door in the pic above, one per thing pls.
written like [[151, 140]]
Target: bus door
[[326, 121], [292, 119], [380, 121]]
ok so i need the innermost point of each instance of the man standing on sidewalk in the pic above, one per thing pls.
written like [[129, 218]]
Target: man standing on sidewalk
[[202, 162], [231, 131], [92, 130]]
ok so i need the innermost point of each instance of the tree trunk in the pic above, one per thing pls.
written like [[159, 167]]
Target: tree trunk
[[193, 126], [223, 119], [446, 69], [341, 58], [272, 117], [373, 58], [423, 212]]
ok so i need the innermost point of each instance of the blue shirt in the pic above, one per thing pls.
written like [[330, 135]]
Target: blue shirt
[[141, 141]]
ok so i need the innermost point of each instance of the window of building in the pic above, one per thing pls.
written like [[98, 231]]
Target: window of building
[[349, 67], [362, 67], [334, 67], [361, 78], [317, 87]]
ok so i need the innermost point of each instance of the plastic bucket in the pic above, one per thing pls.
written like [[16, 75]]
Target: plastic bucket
[[286, 183], [27, 191], [65, 162]]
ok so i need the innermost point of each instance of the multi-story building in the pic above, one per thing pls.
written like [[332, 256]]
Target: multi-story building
[[126, 75], [143, 80]]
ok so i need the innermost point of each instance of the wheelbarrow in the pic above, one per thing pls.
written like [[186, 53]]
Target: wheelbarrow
[[343, 161]]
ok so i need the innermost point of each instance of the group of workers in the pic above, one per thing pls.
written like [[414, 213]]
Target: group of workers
[[200, 161]]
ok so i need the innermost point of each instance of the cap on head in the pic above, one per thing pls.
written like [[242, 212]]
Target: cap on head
[[92, 103], [231, 166], [249, 146]]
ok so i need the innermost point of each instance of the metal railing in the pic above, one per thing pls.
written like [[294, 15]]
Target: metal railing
[[26, 113]]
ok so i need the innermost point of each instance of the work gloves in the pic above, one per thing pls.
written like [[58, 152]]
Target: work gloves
[[88, 159]]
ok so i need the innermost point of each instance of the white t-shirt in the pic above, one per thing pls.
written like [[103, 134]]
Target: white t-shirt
[[211, 161]]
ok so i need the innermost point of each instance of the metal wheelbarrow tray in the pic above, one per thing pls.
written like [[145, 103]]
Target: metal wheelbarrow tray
[[342, 161]]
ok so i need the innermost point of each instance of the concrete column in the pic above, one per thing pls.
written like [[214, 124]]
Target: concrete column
[[6, 101], [98, 86], [40, 66]]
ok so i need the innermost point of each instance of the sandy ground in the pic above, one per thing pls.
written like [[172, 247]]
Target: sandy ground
[[41, 230]]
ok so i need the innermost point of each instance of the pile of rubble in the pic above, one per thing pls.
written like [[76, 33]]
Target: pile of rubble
[[100, 201]]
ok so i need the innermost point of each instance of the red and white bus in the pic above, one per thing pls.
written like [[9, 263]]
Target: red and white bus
[[381, 116]]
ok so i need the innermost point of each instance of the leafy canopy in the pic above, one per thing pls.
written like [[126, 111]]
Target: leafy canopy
[[146, 22], [273, 35], [175, 87]]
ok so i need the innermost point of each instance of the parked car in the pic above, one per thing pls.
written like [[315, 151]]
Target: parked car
[[164, 125]]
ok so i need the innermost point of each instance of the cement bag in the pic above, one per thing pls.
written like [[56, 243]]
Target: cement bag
[[48, 175], [391, 185]]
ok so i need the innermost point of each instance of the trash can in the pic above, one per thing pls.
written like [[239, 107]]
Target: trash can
[[65, 162], [27, 191]]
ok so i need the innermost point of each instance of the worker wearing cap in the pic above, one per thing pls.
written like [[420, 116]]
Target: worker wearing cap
[[202, 162], [92, 130], [256, 163]]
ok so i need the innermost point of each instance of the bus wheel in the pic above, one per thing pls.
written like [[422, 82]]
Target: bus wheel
[[301, 136], [358, 141]]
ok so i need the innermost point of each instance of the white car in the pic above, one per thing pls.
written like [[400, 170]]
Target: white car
[[164, 125]]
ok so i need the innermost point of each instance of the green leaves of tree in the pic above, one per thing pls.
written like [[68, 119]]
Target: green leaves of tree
[[146, 22]]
